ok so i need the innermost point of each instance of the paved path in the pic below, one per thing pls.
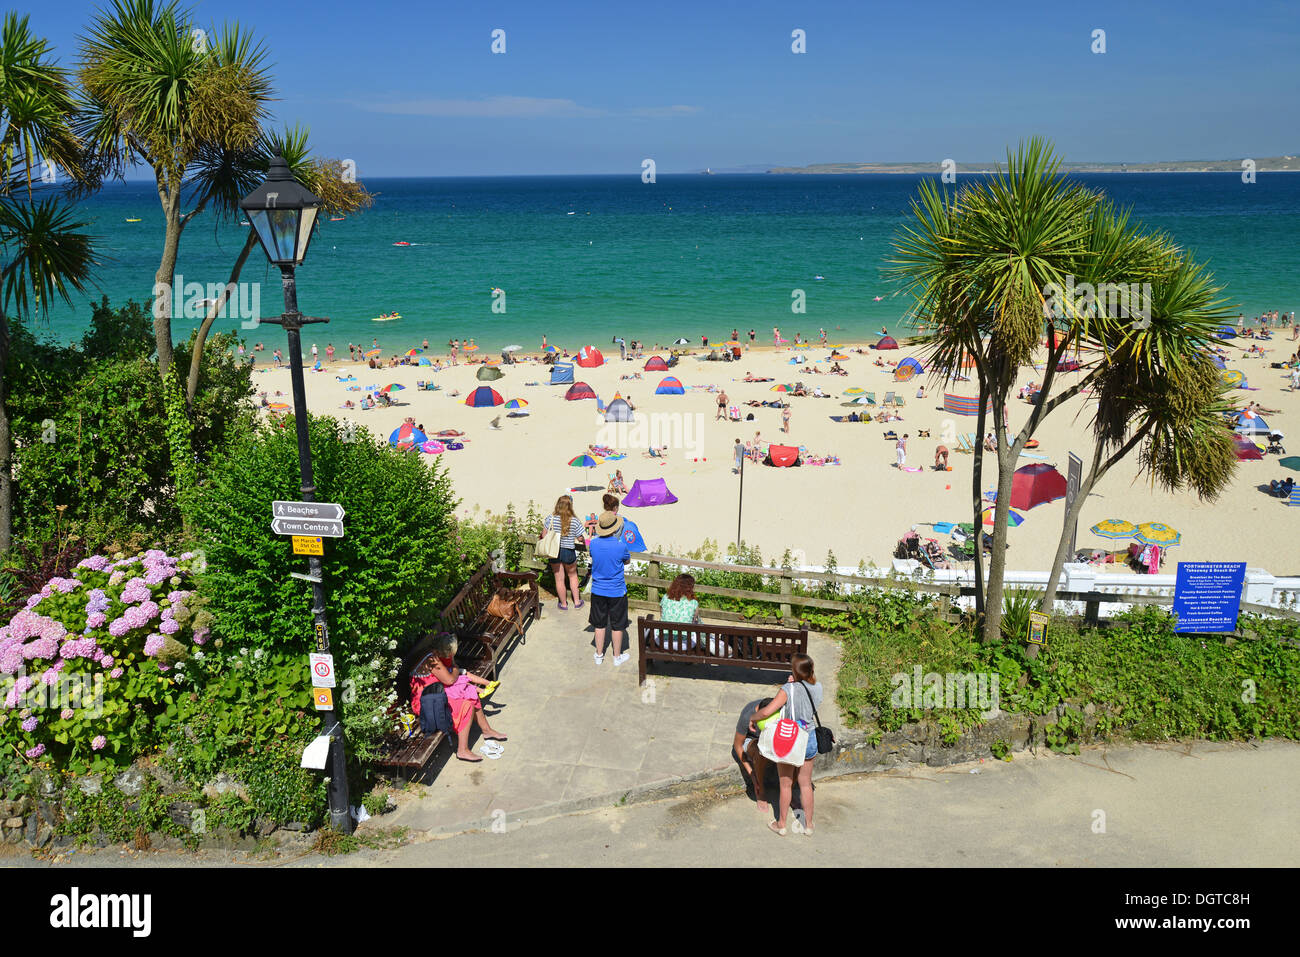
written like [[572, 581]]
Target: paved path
[[582, 735], [1196, 806]]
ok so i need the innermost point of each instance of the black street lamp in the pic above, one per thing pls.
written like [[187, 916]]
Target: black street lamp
[[283, 213]]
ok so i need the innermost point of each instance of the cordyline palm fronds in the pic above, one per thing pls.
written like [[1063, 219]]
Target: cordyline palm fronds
[[988, 267], [1158, 390], [234, 173], [44, 252], [163, 92]]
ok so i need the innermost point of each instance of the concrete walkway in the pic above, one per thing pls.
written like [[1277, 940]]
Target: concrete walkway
[[582, 735]]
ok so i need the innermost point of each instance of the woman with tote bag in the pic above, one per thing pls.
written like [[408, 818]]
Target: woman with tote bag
[[780, 740], [559, 529]]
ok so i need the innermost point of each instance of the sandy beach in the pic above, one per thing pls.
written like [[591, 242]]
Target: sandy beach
[[858, 508]]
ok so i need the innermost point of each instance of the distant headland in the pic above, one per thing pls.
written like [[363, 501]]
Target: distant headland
[[1263, 164]]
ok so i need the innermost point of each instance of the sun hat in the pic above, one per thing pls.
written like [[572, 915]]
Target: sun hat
[[610, 523]]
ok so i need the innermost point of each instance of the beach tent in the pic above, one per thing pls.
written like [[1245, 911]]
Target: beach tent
[[580, 390], [647, 492], [484, 397], [1226, 332], [1250, 425], [1245, 449], [1036, 484], [908, 368], [1068, 365], [656, 364], [489, 374], [408, 435], [963, 404], [671, 385], [618, 411], [562, 373], [1218, 362], [589, 357], [887, 342], [782, 456]]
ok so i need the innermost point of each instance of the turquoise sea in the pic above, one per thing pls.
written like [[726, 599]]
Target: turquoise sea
[[584, 258]]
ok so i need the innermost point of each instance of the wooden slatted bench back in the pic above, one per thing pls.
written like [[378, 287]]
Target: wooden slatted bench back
[[764, 649]]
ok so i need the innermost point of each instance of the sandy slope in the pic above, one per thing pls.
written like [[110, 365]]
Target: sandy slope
[[859, 508]]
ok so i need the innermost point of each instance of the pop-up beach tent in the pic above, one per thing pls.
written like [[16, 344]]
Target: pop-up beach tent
[[407, 434], [1068, 365], [489, 374], [618, 411], [782, 456], [908, 368], [963, 404], [1245, 449], [484, 397], [646, 492], [1036, 484], [562, 373], [589, 357], [671, 385], [887, 342], [579, 390], [656, 364]]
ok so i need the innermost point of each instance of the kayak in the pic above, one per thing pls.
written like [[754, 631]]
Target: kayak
[[401, 244], [396, 315]]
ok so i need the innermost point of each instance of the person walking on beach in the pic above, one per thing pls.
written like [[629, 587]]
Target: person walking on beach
[[329, 354], [785, 419], [738, 457], [900, 451], [565, 565], [801, 694], [455, 347], [722, 406], [776, 337], [425, 345], [609, 558], [314, 353]]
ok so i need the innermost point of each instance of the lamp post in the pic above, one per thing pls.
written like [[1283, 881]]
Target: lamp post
[[282, 214]]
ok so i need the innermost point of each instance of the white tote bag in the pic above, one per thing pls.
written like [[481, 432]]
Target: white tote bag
[[784, 741], [549, 546]]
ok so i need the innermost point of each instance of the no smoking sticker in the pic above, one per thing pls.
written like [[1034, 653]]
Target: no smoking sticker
[[322, 670]]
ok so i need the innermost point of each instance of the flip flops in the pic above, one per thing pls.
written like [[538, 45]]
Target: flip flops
[[490, 752]]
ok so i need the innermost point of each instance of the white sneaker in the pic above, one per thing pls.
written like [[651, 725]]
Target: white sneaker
[[600, 659], [618, 660]]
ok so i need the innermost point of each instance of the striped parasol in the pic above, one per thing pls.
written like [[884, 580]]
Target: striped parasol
[[374, 353], [855, 391], [278, 407], [1013, 518], [517, 404]]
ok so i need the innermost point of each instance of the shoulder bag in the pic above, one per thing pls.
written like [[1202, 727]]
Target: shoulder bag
[[549, 546], [825, 737]]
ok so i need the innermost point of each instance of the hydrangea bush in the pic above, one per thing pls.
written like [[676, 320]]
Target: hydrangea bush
[[89, 669]]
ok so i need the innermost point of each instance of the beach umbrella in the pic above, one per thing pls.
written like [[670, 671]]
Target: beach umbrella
[[470, 348], [549, 348], [859, 400], [1233, 378], [278, 407], [780, 388], [484, 397], [681, 342], [393, 387], [517, 403], [513, 347], [1290, 462], [413, 352], [585, 462], [373, 353], [1114, 528], [1013, 518], [1155, 533], [731, 344], [855, 391]]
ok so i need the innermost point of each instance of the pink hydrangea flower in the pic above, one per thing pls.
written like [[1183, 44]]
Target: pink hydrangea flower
[[11, 659], [106, 661], [118, 627], [41, 648], [96, 563], [169, 627], [35, 752], [153, 644], [96, 619], [98, 742], [66, 714], [201, 635], [115, 673], [30, 724]]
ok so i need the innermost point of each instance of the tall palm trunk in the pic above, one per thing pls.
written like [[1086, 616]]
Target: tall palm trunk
[[196, 359], [977, 478], [164, 277]]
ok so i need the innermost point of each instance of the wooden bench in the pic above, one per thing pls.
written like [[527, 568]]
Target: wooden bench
[[408, 753], [765, 649], [467, 618]]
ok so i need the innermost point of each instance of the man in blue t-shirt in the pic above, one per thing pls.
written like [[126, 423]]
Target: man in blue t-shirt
[[609, 556]]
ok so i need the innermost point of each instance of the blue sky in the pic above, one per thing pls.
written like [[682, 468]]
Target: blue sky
[[587, 87]]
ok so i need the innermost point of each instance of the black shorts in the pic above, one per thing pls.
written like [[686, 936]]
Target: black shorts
[[609, 612]]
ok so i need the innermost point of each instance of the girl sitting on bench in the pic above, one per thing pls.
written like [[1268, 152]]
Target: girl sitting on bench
[[680, 604]]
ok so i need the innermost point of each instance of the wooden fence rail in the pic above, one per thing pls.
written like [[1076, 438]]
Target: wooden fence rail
[[787, 599]]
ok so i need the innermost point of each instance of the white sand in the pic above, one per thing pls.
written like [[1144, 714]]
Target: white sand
[[859, 508]]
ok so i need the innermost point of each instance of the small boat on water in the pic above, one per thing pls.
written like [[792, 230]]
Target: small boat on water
[[244, 222], [401, 244], [136, 220], [336, 219], [387, 317]]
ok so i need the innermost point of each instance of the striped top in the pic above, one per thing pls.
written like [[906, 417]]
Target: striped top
[[552, 524]]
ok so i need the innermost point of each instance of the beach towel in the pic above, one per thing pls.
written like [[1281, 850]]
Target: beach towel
[[943, 528], [911, 468]]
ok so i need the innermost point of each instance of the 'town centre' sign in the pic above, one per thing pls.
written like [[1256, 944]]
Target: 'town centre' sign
[[317, 519]]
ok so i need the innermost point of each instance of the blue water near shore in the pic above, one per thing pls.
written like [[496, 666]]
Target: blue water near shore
[[689, 255]]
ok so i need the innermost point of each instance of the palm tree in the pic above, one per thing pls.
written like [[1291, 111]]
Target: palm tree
[[1159, 389], [159, 92], [43, 251], [235, 173]]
